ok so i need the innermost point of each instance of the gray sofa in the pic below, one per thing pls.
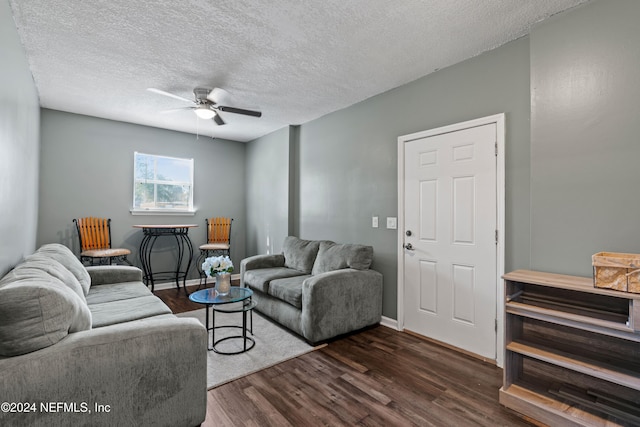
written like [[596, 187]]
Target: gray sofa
[[318, 289], [93, 346]]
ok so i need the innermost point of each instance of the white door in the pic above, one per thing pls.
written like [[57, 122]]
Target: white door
[[450, 226]]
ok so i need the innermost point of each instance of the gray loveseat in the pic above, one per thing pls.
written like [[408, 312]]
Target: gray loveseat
[[93, 346], [318, 289]]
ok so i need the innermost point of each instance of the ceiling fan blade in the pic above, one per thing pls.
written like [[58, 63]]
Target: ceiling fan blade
[[161, 92], [173, 110], [239, 111], [218, 96], [218, 120]]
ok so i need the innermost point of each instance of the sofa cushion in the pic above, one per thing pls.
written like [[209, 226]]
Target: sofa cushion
[[300, 254], [112, 312], [108, 274], [64, 256], [333, 256], [288, 290], [259, 279], [55, 269], [117, 292], [37, 312]]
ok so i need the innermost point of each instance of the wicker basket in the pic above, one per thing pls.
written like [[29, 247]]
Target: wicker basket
[[617, 271]]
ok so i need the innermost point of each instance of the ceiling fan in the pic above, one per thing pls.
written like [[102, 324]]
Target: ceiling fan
[[207, 103]]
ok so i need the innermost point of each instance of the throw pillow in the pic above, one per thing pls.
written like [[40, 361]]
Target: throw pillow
[[300, 254], [333, 256], [64, 256]]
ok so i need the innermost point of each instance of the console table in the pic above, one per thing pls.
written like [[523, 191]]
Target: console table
[[180, 232]]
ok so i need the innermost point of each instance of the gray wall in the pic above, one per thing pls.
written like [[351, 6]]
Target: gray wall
[[585, 136], [267, 192], [19, 147], [87, 170], [348, 159], [344, 166]]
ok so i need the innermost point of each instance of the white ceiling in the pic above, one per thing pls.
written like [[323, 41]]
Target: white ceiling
[[294, 60]]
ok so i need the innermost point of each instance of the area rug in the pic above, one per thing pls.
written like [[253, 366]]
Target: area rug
[[274, 345]]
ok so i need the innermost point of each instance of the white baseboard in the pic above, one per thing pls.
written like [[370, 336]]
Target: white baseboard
[[172, 285], [190, 282], [389, 323]]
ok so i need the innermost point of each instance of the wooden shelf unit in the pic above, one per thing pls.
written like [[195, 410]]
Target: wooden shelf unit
[[572, 351]]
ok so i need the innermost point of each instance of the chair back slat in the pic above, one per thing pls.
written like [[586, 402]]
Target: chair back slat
[[94, 233], [219, 230]]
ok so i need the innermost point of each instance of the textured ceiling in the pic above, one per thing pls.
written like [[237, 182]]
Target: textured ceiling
[[294, 60]]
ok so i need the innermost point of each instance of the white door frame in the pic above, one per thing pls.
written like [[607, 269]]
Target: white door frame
[[499, 120]]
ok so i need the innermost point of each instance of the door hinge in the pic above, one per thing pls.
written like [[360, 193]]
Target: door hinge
[[496, 325], [496, 237], [496, 149]]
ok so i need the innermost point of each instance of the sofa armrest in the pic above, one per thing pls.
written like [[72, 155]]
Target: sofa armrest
[[148, 372], [340, 301], [106, 274], [260, 261]]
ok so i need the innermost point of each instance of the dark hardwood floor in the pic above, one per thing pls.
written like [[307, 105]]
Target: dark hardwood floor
[[378, 377]]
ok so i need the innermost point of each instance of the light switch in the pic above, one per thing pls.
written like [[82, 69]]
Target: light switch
[[392, 222], [374, 222]]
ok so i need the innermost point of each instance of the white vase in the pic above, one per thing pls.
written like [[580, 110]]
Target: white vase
[[223, 283]]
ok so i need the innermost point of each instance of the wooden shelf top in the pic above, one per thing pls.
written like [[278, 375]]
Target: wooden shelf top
[[562, 281]]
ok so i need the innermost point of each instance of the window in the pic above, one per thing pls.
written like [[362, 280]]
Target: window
[[162, 184]]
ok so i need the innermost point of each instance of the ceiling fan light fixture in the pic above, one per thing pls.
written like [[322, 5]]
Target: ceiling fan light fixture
[[204, 112]]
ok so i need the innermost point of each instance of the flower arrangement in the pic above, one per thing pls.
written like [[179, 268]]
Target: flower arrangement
[[217, 265]]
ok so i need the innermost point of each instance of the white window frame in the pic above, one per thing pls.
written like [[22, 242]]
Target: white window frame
[[162, 211]]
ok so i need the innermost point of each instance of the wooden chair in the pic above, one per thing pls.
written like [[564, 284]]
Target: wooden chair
[[218, 241], [218, 237], [95, 242]]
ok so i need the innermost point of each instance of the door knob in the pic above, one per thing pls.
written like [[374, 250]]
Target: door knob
[[408, 233], [408, 247]]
